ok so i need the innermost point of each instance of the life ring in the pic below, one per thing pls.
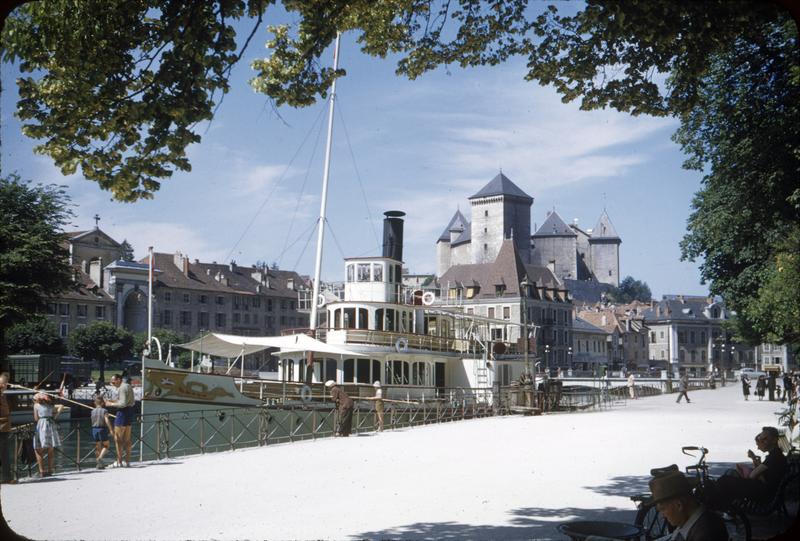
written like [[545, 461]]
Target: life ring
[[428, 298], [401, 345], [321, 300], [305, 393]]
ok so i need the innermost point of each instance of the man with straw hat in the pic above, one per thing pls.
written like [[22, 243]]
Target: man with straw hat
[[692, 522], [344, 408]]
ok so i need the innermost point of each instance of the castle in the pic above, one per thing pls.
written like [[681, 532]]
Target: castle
[[501, 210]]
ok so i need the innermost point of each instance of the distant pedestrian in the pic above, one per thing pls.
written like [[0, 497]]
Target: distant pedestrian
[[101, 428], [379, 407], [761, 386], [344, 408], [745, 386], [683, 388], [632, 385], [788, 387], [711, 381]]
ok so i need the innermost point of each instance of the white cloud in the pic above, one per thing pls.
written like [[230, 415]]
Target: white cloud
[[167, 237]]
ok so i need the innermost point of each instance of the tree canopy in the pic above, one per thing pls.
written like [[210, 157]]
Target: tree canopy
[[101, 341], [37, 335], [33, 258], [630, 290]]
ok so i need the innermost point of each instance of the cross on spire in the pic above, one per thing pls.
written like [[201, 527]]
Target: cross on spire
[[96, 221]]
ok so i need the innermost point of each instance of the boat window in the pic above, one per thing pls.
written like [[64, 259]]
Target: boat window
[[376, 370], [330, 369], [389, 320], [349, 369], [420, 374], [398, 273], [432, 324], [377, 272], [289, 375], [337, 318], [363, 272], [362, 374], [391, 274], [350, 273], [404, 321], [349, 318], [379, 319], [301, 370], [505, 374], [363, 319], [397, 372]]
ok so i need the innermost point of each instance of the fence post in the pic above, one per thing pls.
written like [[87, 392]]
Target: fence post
[[202, 433], [314, 424]]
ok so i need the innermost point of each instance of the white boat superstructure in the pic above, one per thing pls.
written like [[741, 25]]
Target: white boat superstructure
[[414, 348]]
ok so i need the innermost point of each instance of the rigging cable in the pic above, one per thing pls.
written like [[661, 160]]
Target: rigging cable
[[358, 176], [300, 196], [275, 186]]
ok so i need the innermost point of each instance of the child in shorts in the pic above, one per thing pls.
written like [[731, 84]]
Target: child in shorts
[[101, 427]]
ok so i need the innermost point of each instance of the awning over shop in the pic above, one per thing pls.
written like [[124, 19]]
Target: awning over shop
[[228, 345]]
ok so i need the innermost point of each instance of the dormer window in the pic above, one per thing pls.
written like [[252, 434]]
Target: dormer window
[[472, 291], [499, 290]]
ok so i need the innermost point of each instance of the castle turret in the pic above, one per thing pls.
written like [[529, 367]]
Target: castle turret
[[554, 247], [500, 210], [604, 247]]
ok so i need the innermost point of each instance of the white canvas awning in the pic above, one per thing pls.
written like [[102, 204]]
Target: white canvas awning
[[229, 345]]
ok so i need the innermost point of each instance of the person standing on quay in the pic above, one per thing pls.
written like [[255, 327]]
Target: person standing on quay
[[745, 386], [683, 388], [632, 385], [122, 422], [46, 437], [344, 408], [761, 386], [379, 407], [5, 433]]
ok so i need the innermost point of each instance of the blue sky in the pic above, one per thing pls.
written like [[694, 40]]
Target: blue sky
[[419, 146]]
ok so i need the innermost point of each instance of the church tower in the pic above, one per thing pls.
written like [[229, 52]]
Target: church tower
[[500, 210], [604, 248]]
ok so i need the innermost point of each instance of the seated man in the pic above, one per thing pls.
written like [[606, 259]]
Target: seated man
[[759, 482], [692, 522]]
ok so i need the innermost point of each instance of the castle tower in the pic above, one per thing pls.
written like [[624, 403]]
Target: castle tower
[[604, 248], [555, 247], [500, 210], [454, 235]]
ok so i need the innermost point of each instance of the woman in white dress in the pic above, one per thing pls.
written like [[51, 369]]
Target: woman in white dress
[[46, 437]]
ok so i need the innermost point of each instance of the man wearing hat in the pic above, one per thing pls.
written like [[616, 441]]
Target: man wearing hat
[[344, 408], [692, 522]]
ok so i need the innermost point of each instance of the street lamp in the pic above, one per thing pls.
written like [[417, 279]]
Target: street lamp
[[547, 358], [523, 293], [569, 358]]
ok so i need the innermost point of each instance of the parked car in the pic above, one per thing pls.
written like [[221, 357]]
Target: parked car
[[751, 373]]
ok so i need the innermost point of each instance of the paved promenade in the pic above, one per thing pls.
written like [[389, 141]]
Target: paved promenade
[[499, 478]]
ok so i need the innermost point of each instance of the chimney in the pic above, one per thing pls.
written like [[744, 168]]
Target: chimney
[[185, 265], [177, 260], [681, 299], [393, 234], [232, 266], [290, 283], [96, 271]]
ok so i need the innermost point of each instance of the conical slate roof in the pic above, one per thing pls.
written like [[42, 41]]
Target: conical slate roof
[[456, 222], [502, 185], [554, 226], [604, 228]]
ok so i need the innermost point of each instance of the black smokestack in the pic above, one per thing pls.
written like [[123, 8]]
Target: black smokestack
[[393, 234]]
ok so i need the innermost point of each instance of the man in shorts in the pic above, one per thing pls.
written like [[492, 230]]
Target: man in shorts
[[122, 422]]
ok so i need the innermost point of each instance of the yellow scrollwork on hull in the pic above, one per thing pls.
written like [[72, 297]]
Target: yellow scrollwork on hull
[[170, 384]]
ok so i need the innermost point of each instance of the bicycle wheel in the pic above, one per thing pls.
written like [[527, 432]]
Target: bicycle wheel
[[651, 522], [737, 524]]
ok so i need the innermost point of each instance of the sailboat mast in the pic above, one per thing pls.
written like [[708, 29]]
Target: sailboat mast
[[324, 199]]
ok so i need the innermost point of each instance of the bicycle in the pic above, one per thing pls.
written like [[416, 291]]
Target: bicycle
[[655, 526]]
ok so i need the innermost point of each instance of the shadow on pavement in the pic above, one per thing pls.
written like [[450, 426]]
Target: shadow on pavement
[[526, 523]]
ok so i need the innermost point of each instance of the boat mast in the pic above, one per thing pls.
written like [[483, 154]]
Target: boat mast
[[322, 206]]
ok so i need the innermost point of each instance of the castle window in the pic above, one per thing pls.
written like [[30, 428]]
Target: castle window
[[486, 213], [485, 247], [485, 229], [609, 272]]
